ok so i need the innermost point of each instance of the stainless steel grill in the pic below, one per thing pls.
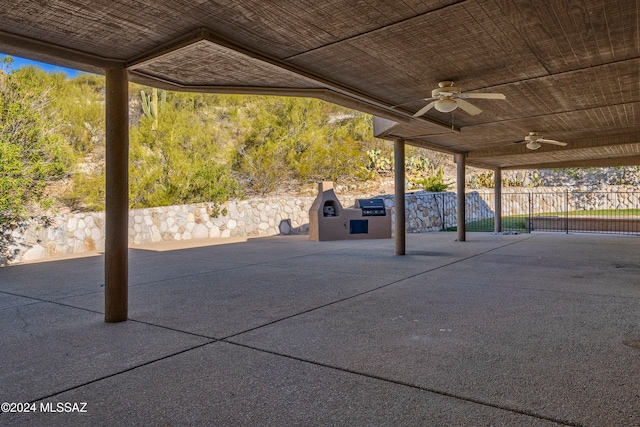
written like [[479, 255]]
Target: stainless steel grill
[[372, 207]]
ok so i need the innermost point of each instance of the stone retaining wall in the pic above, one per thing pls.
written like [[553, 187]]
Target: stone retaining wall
[[75, 233], [79, 232]]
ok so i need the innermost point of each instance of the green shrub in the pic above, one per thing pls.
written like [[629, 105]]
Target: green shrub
[[30, 155], [434, 182]]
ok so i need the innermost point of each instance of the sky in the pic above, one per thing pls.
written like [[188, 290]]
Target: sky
[[21, 62]]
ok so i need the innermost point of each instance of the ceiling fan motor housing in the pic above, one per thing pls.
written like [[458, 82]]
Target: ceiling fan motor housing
[[533, 136], [445, 92]]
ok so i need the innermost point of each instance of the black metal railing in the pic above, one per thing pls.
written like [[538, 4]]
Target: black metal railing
[[588, 212], [561, 211]]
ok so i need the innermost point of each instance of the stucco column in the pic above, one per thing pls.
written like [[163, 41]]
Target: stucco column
[[398, 200], [497, 203], [116, 272], [462, 228]]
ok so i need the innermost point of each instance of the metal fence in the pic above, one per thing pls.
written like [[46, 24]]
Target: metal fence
[[561, 211]]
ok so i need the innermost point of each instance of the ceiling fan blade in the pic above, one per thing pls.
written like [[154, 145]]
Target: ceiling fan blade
[[469, 108], [551, 141], [424, 109], [485, 96], [519, 142], [410, 102]]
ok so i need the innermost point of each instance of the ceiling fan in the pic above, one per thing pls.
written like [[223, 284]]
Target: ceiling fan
[[535, 141], [447, 98]]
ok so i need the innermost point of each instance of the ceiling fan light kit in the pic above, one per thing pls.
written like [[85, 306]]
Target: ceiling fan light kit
[[446, 105]]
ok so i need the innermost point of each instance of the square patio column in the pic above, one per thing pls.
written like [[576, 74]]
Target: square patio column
[[116, 272], [460, 187], [398, 203], [497, 203]]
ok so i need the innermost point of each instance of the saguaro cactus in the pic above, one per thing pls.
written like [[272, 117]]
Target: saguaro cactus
[[151, 106]]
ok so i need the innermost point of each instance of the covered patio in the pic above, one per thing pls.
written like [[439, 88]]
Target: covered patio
[[536, 330], [508, 330], [566, 72]]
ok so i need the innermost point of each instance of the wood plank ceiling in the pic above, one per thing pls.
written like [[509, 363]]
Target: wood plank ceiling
[[569, 68]]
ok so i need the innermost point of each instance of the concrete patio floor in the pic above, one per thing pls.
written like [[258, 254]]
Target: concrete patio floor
[[502, 330]]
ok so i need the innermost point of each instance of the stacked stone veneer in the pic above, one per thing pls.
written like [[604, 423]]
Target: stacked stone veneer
[[80, 232]]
